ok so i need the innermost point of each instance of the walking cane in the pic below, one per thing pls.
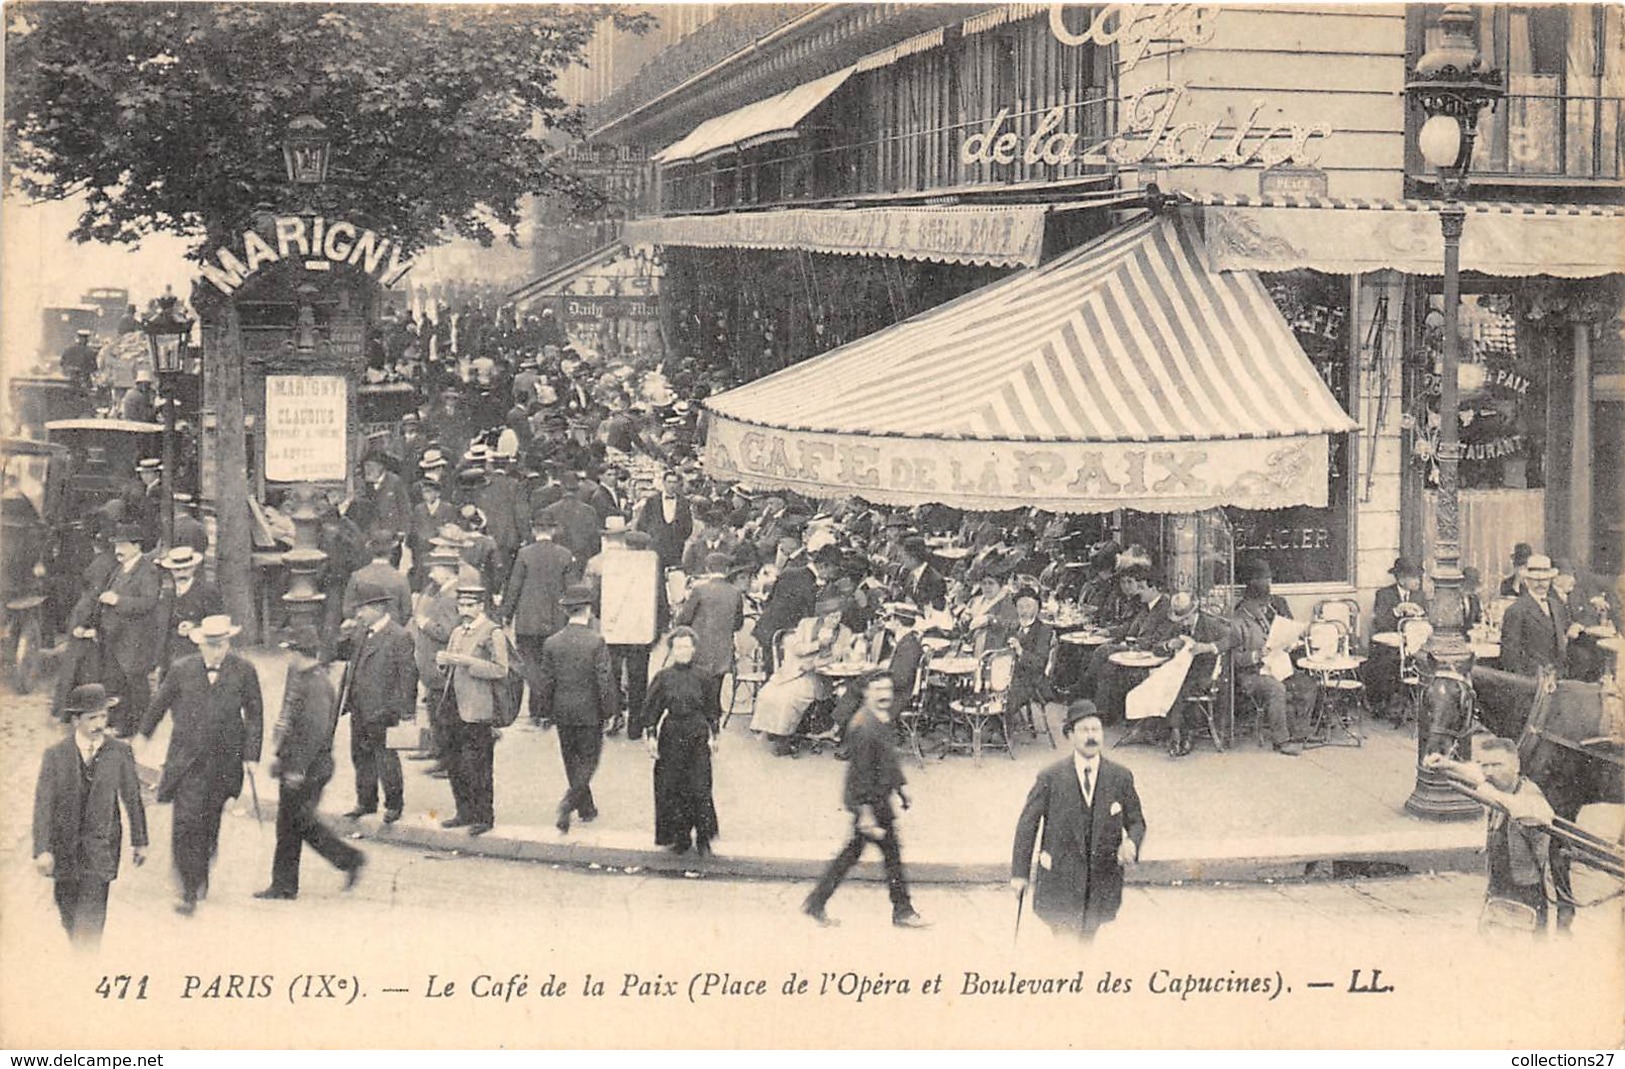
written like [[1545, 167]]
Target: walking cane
[[1021, 895], [254, 794]]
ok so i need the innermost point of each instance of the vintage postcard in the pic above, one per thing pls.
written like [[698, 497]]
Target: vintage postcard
[[812, 525]]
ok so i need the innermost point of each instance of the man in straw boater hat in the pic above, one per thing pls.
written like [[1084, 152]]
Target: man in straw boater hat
[[1536, 629], [185, 600], [214, 696], [303, 763], [1083, 815], [84, 780]]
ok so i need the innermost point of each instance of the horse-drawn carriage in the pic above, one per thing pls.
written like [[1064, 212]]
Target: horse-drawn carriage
[[55, 494]]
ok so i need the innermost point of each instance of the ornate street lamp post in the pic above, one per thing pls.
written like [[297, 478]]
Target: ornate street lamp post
[[1451, 86], [167, 327]]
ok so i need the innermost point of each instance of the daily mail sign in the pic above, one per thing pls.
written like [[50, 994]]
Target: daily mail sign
[[306, 428]]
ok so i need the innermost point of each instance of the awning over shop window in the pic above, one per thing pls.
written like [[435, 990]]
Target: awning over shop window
[[1124, 374], [1348, 237], [1003, 236], [554, 283], [767, 120]]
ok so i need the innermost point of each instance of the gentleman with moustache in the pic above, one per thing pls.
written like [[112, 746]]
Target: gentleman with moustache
[[434, 619], [1083, 815], [218, 710], [1536, 628], [476, 662], [123, 611], [668, 520], [85, 781]]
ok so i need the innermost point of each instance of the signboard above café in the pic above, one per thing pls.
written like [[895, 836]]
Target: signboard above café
[[319, 244]]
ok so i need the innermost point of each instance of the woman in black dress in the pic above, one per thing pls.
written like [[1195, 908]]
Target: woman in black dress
[[684, 705]]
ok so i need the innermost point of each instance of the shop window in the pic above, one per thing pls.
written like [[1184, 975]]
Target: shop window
[[1501, 387], [1307, 544]]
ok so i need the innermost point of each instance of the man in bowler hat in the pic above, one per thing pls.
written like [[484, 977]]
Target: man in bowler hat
[[84, 780], [578, 695], [1084, 816], [303, 744], [380, 689]]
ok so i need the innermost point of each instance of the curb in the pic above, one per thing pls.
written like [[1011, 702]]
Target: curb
[[1330, 863]]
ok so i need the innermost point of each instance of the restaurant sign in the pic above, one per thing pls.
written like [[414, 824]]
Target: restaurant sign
[[316, 242], [1059, 476], [306, 419], [1150, 135]]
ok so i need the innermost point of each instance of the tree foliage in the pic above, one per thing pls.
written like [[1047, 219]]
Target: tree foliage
[[170, 117]]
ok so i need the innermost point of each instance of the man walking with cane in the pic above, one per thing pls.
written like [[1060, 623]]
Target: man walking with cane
[[1092, 826]]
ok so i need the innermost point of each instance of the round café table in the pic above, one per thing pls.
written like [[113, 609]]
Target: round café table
[[1140, 662], [1085, 638]]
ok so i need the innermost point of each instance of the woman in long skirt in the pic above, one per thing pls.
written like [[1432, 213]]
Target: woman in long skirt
[[684, 703]]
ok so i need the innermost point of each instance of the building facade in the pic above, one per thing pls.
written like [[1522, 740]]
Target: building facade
[[861, 164]]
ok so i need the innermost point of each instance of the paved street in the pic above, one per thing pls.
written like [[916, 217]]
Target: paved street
[[419, 913]]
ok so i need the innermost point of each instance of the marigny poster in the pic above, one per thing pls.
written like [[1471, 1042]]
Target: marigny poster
[[1256, 900]]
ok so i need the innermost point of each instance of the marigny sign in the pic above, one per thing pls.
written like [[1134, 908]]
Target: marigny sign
[[1067, 476], [319, 243], [1149, 134]]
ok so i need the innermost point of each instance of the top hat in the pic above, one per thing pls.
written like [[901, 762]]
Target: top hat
[[1403, 567], [1522, 552], [303, 638], [1539, 568], [1082, 709], [211, 628], [87, 698], [576, 594], [181, 557]]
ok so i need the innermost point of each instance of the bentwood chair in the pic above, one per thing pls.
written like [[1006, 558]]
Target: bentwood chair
[[1340, 693], [1345, 613], [912, 719], [1414, 632], [972, 715], [1204, 701]]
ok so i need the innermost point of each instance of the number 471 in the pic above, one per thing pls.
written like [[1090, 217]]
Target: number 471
[[119, 987]]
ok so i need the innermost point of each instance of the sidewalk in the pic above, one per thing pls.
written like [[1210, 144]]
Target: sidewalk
[[1247, 814]]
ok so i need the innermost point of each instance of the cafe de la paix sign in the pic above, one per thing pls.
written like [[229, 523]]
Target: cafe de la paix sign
[[318, 243], [1149, 132]]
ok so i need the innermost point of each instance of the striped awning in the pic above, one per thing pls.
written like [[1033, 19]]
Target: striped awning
[[1123, 374], [772, 119]]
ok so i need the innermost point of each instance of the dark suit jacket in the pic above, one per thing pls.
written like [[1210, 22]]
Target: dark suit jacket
[[82, 830], [578, 526], [574, 678], [531, 599], [794, 597], [1036, 640], [715, 609], [872, 769], [929, 591], [386, 507], [905, 664], [381, 574], [1382, 609], [132, 632], [507, 510], [304, 730], [1082, 886], [216, 727], [201, 599], [1530, 638], [381, 681], [668, 538]]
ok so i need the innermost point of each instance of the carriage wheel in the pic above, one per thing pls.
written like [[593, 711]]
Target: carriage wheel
[[25, 661]]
